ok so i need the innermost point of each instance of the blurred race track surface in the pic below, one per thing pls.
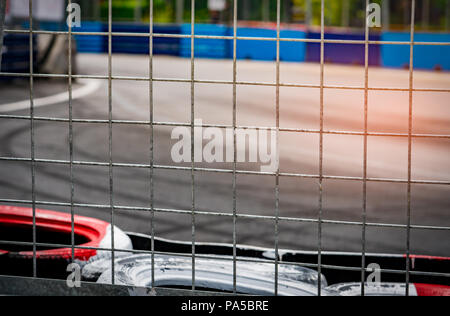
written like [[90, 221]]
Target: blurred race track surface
[[299, 108]]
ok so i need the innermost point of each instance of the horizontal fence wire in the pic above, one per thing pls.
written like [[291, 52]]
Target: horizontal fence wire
[[239, 127], [242, 214], [236, 213], [224, 82], [227, 171], [230, 38]]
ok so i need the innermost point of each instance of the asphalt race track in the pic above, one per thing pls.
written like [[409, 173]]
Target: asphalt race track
[[299, 108]]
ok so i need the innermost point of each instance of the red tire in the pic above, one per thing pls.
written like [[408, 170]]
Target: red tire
[[432, 290], [93, 232]]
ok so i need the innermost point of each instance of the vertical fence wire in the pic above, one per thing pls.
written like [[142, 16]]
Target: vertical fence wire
[[110, 128], [235, 13], [2, 27], [277, 144], [32, 130], [72, 189], [410, 127], [152, 143], [366, 96], [193, 138], [319, 229]]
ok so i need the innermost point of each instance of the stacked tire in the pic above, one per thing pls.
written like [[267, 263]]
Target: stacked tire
[[53, 250]]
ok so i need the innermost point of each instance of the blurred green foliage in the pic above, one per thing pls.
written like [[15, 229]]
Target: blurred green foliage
[[291, 11]]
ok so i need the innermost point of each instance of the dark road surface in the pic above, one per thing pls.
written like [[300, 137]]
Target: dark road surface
[[299, 197]]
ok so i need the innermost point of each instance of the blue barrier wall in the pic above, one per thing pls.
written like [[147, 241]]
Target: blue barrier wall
[[49, 26], [267, 50], [344, 53], [293, 51], [120, 44], [91, 43], [128, 44], [85, 43], [256, 50], [206, 48], [425, 56], [166, 46], [140, 44]]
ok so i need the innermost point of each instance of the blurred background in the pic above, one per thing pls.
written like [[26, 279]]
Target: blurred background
[[430, 14], [344, 20]]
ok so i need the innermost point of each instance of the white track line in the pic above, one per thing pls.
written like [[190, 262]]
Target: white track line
[[88, 88]]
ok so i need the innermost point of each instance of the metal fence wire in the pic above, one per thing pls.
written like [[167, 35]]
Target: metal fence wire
[[151, 123]]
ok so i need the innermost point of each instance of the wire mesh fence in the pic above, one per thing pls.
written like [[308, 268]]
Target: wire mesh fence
[[194, 169]]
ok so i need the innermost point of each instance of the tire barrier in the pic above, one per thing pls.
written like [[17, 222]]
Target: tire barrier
[[16, 229], [253, 278], [211, 274]]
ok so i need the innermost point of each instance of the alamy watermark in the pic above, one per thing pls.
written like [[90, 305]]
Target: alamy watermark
[[375, 276], [74, 15], [74, 278], [373, 14], [254, 146]]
